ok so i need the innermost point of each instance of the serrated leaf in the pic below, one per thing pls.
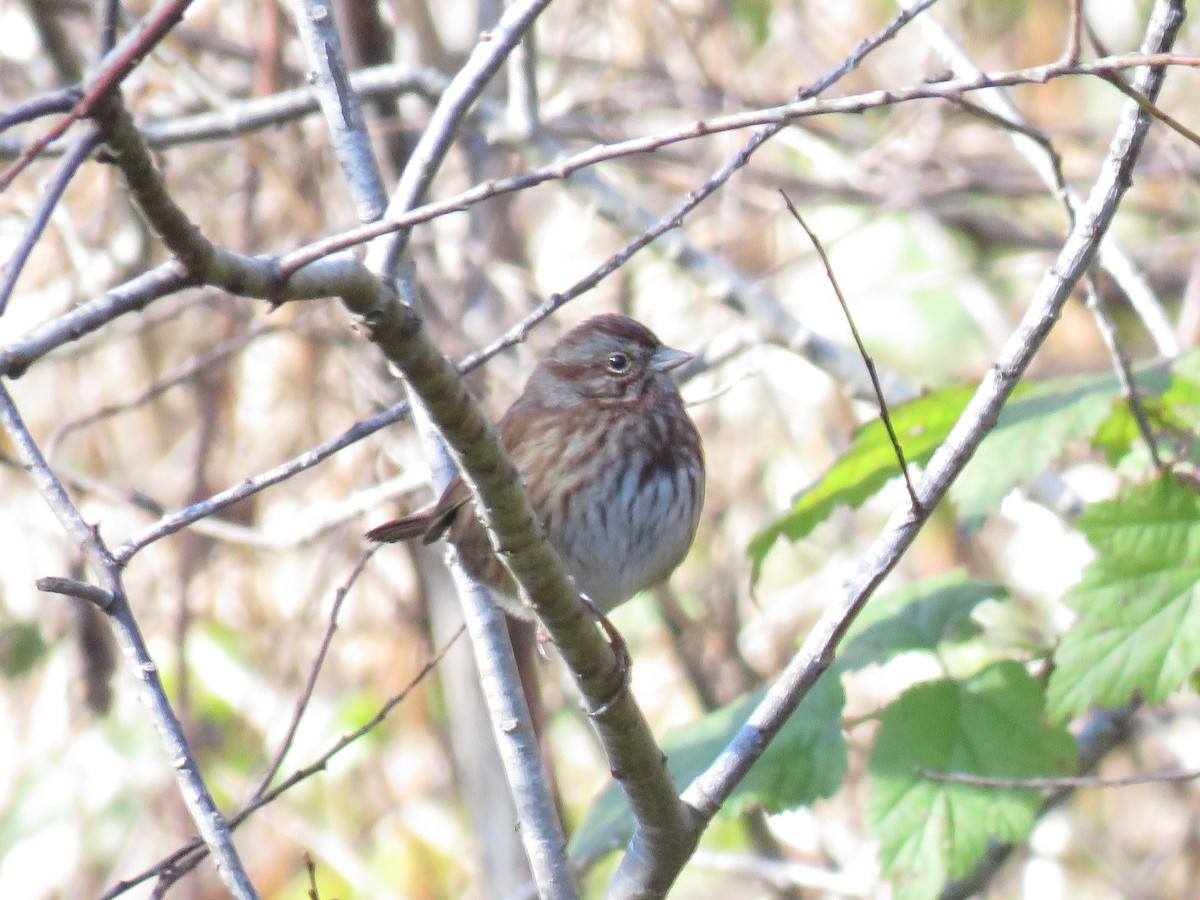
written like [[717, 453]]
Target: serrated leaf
[[1036, 425], [919, 616], [990, 725], [1031, 433], [1139, 607], [866, 466], [806, 761]]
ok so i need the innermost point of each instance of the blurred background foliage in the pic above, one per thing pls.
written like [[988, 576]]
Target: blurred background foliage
[[937, 230]]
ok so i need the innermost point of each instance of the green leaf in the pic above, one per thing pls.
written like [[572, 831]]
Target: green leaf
[[806, 761], [1031, 433], [869, 463], [919, 616], [989, 725], [1138, 603], [21, 646], [1175, 412], [1034, 428], [754, 16]]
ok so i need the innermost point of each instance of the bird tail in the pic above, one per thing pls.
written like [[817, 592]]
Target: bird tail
[[397, 530]]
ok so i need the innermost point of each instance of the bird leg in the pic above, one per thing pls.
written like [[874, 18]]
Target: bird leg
[[620, 650]]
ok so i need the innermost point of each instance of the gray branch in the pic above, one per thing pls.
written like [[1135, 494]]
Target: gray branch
[[196, 797], [710, 789]]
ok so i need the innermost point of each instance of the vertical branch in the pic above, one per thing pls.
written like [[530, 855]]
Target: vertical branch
[[540, 829], [340, 106], [1124, 373], [500, 682]]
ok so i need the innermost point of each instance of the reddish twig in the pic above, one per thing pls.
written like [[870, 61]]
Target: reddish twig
[[124, 58]]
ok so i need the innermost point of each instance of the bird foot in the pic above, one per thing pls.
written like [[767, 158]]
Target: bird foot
[[620, 650]]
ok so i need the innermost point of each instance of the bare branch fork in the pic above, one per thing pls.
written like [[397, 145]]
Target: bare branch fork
[[190, 855], [204, 812]]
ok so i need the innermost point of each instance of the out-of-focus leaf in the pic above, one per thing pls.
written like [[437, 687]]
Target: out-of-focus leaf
[[1138, 602], [21, 646], [990, 725], [755, 17], [806, 761], [917, 617], [1176, 411]]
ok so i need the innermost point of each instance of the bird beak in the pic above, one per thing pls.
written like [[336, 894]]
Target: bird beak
[[665, 359]]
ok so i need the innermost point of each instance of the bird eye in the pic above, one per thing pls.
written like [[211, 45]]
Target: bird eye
[[618, 363]]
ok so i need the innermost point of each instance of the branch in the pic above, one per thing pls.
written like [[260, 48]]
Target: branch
[[1046, 164], [1076, 781], [196, 796], [713, 787], [57, 186], [117, 63], [187, 857], [785, 114], [340, 105], [540, 830], [268, 277], [239, 117]]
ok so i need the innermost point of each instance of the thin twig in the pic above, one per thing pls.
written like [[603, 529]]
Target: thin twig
[[59, 101], [51, 194], [118, 63], [173, 867], [182, 518], [1117, 81], [862, 349], [1070, 54], [485, 60], [1107, 729], [314, 671], [783, 115], [1124, 372], [1071, 781], [196, 796], [243, 117], [81, 590], [16, 357], [1111, 256], [1122, 84]]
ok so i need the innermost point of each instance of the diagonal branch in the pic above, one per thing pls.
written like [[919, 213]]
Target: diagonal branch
[[203, 810], [118, 63], [710, 790]]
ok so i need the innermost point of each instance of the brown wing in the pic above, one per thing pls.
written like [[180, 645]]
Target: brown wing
[[431, 523]]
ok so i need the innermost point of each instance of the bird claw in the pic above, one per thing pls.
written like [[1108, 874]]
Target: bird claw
[[620, 650]]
